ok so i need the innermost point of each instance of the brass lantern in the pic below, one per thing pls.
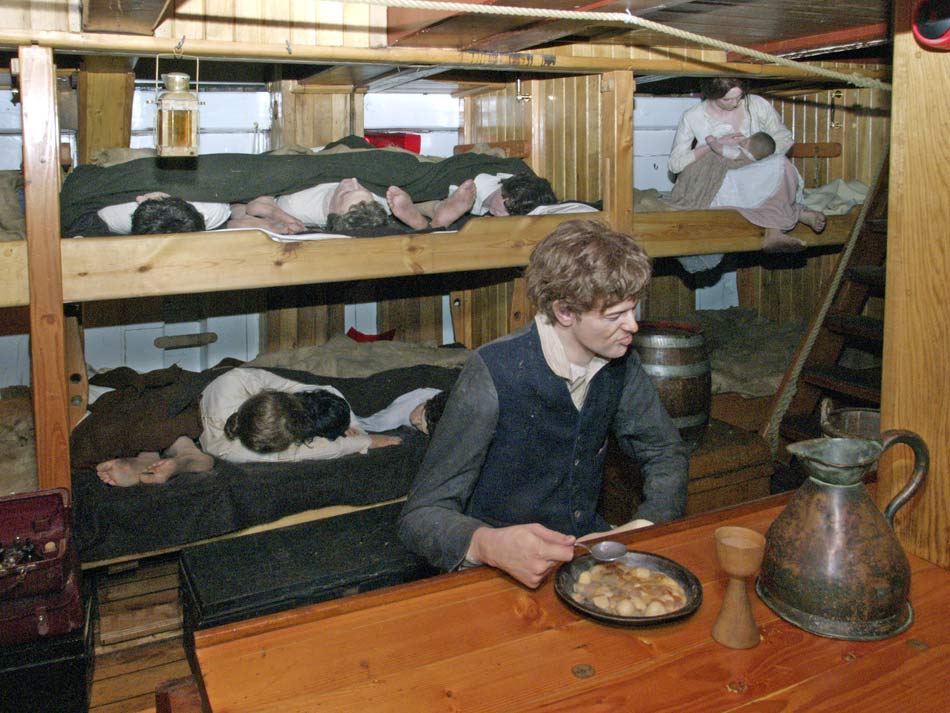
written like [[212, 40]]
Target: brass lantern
[[176, 117]]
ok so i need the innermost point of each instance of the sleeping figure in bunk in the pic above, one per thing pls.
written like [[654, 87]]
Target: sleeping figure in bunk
[[100, 200], [245, 415]]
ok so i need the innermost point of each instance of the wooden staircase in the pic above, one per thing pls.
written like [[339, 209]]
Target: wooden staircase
[[841, 328]]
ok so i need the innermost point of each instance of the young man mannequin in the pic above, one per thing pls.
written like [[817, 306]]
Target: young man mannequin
[[512, 477]]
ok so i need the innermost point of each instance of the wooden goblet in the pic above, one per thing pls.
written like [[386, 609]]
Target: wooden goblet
[[740, 552]]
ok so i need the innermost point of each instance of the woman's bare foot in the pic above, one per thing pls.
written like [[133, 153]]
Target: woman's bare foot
[[400, 203], [775, 241], [183, 456], [125, 471], [813, 219], [455, 206]]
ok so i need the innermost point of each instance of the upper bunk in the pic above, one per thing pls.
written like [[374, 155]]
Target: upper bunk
[[579, 128]]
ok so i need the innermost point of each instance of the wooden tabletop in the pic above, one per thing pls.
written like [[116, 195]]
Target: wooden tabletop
[[478, 641]]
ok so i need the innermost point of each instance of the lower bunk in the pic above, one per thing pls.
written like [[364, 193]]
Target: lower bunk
[[123, 522]]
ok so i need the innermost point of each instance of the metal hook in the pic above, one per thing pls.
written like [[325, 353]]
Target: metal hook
[[518, 95]]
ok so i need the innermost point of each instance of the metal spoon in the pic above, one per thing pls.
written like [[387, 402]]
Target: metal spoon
[[606, 551]]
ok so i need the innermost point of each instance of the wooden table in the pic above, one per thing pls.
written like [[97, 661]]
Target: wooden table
[[477, 641]]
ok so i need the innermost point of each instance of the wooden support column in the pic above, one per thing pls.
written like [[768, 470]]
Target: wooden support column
[[916, 371], [106, 86], [616, 112], [41, 182]]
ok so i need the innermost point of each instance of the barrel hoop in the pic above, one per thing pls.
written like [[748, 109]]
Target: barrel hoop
[[697, 419], [669, 340], [678, 371]]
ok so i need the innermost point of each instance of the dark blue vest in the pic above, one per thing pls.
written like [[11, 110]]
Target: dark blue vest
[[545, 463]]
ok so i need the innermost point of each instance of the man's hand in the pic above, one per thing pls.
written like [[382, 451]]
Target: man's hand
[[526, 552]]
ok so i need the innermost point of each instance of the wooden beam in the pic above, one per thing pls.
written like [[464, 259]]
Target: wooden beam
[[914, 393], [616, 116], [146, 265], [106, 88], [851, 37], [683, 65], [47, 337]]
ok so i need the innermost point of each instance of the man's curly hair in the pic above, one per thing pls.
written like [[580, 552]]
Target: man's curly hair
[[524, 192], [363, 216]]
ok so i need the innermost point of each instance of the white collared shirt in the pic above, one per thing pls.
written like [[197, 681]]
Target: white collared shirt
[[576, 376]]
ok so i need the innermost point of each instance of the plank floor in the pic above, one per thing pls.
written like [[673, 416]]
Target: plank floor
[[138, 635], [139, 630]]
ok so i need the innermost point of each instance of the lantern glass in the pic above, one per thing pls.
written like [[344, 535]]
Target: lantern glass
[[176, 118]]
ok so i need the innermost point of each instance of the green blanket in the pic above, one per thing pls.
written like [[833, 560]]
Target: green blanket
[[238, 178]]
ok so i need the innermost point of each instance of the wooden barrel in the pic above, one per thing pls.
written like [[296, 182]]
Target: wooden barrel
[[674, 356]]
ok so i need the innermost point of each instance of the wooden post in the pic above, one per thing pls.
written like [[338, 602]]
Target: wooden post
[[106, 86], [41, 186], [916, 371], [616, 112]]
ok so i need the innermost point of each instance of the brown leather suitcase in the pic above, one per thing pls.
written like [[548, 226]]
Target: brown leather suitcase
[[45, 615], [38, 522], [39, 569]]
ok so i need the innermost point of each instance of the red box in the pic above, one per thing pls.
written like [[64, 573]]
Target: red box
[[43, 517]]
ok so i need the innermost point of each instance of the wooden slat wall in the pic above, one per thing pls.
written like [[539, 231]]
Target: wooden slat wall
[[41, 15], [252, 21], [787, 290]]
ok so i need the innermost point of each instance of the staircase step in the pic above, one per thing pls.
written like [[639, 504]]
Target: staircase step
[[863, 384], [800, 427], [876, 225], [870, 275], [854, 325]]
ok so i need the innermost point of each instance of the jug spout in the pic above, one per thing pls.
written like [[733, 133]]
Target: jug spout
[[837, 461]]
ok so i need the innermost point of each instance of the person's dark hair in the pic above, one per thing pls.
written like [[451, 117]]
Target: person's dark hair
[[761, 144], [364, 215], [272, 421], [166, 215], [524, 192], [433, 410], [586, 265], [328, 414], [718, 87]]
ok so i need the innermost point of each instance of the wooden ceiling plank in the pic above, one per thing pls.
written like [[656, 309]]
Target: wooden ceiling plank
[[850, 37], [133, 18]]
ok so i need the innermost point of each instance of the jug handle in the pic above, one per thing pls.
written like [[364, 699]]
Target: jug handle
[[921, 468]]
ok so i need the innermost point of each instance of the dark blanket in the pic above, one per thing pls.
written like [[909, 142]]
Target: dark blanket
[[238, 178], [112, 522]]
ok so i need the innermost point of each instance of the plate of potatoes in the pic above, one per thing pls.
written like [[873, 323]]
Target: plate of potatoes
[[640, 589]]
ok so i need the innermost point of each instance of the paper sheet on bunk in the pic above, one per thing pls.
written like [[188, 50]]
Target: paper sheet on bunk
[[294, 238]]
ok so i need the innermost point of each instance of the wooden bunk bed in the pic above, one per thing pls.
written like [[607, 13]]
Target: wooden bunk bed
[[45, 272]]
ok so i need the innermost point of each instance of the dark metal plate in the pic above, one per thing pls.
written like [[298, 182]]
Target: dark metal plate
[[568, 573]]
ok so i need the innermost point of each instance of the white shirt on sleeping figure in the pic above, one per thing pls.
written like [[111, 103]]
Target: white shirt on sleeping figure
[[223, 396], [118, 217], [311, 206]]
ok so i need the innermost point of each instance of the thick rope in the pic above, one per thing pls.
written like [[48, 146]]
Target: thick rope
[[771, 431], [628, 19]]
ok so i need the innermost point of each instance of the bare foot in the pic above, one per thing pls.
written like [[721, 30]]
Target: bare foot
[[775, 241], [400, 203], [813, 219], [455, 206], [125, 471], [266, 208], [183, 456]]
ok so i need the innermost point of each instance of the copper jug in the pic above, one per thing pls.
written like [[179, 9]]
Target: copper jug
[[833, 565]]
